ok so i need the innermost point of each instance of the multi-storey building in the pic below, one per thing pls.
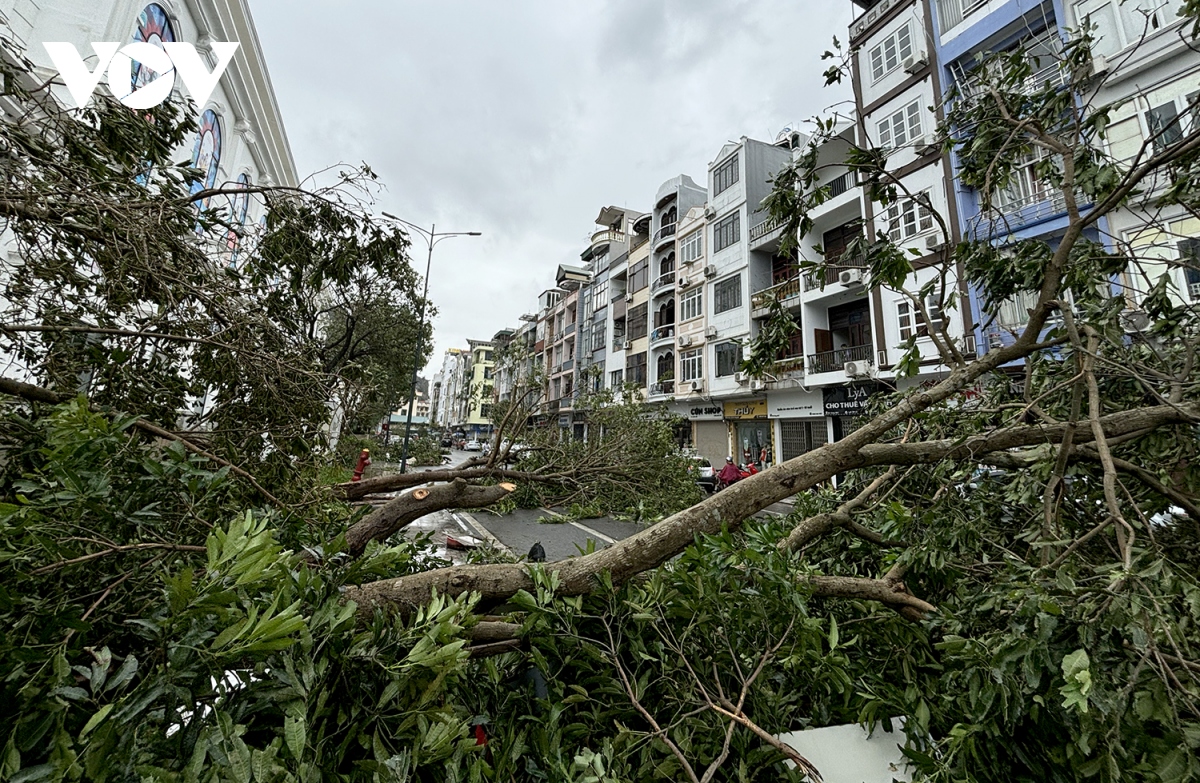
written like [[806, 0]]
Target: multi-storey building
[[479, 389], [447, 408], [241, 139], [674, 198], [608, 248]]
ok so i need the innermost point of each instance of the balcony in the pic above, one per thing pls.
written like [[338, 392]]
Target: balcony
[[835, 361], [818, 279], [788, 367], [552, 406], [663, 281], [1034, 208], [760, 303], [665, 387], [569, 364], [606, 237], [765, 233], [666, 232], [662, 333]]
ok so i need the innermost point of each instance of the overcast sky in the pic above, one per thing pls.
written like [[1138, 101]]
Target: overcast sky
[[522, 118]]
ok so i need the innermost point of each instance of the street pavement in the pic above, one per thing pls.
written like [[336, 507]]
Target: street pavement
[[518, 531]]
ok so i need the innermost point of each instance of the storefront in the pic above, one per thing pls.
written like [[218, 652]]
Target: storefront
[[843, 404], [751, 430], [800, 424]]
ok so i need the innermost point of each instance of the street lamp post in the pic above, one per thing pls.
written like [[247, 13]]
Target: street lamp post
[[431, 237]]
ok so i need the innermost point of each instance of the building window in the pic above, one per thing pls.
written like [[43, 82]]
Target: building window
[[635, 369], [801, 437], [727, 232], [639, 275], [600, 297], [691, 365], [637, 324], [912, 323], [903, 127], [153, 27], [906, 218], [691, 304], [1164, 126], [729, 358], [892, 51], [691, 247], [1121, 23], [727, 294], [1024, 186], [725, 175], [616, 378], [1189, 255], [206, 155], [1013, 313], [599, 334]]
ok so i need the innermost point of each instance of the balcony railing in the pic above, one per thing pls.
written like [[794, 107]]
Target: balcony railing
[[663, 281], [789, 365], [606, 236], [843, 183], [820, 279], [666, 231], [665, 387], [834, 361], [552, 406], [780, 291], [1031, 209], [569, 364], [663, 333]]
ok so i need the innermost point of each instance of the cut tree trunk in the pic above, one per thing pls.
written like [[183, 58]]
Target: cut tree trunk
[[409, 507]]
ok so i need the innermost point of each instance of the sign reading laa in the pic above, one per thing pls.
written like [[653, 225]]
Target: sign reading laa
[[117, 61]]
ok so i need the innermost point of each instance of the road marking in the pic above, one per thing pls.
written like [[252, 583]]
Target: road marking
[[481, 530], [591, 532]]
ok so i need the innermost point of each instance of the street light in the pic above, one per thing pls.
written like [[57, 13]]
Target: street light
[[431, 237]]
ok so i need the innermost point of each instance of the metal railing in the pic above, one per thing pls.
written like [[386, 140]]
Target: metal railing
[[789, 365], [830, 275], [665, 231], [841, 184], [607, 235], [780, 291], [663, 333], [664, 387], [765, 228], [663, 280], [833, 361]]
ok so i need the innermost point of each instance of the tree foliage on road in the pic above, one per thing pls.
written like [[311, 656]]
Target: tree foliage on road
[[1009, 562]]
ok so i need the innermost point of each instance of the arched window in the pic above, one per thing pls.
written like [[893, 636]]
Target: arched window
[[670, 217], [667, 264], [154, 27], [665, 366], [239, 206], [207, 153]]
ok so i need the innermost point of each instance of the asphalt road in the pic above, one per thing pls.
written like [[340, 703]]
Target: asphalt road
[[519, 531]]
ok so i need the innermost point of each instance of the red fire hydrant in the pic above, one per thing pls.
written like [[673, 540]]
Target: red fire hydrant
[[364, 459]]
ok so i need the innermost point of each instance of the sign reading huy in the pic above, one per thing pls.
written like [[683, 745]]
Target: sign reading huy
[[119, 61]]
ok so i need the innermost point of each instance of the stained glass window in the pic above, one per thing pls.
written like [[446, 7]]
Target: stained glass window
[[207, 154], [239, 205], [154, 27]]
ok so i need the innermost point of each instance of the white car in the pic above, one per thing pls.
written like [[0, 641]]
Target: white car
[[473, 445]]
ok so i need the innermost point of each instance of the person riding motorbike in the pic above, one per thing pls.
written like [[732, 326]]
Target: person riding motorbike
[[729, 474]]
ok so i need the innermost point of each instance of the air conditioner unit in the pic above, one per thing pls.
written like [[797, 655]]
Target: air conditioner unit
[[934, 242], [685, 340], [1099, 65], [697, 385], [710, 271], [710, 211], [710, 333], [684, 282], [629, 297], [857, 369], [741, 377], [850, 277], [757, 385], [914, 63], [925, 145], [628, 344]]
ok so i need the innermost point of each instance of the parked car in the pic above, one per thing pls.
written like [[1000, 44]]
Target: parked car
[[702, 471], [447, 440], [473, 445]]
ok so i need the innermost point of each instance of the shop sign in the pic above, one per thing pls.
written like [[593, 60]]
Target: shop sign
[[706, 413], [847, 400], [751, 409], [795, 405]]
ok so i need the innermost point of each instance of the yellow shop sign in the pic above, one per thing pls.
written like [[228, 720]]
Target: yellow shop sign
[[753, 409]]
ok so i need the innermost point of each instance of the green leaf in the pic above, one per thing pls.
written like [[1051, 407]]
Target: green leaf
[[294, 731], [94, 721]]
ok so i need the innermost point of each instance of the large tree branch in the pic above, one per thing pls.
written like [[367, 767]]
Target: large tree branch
[[657, 544], [396, 514]]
